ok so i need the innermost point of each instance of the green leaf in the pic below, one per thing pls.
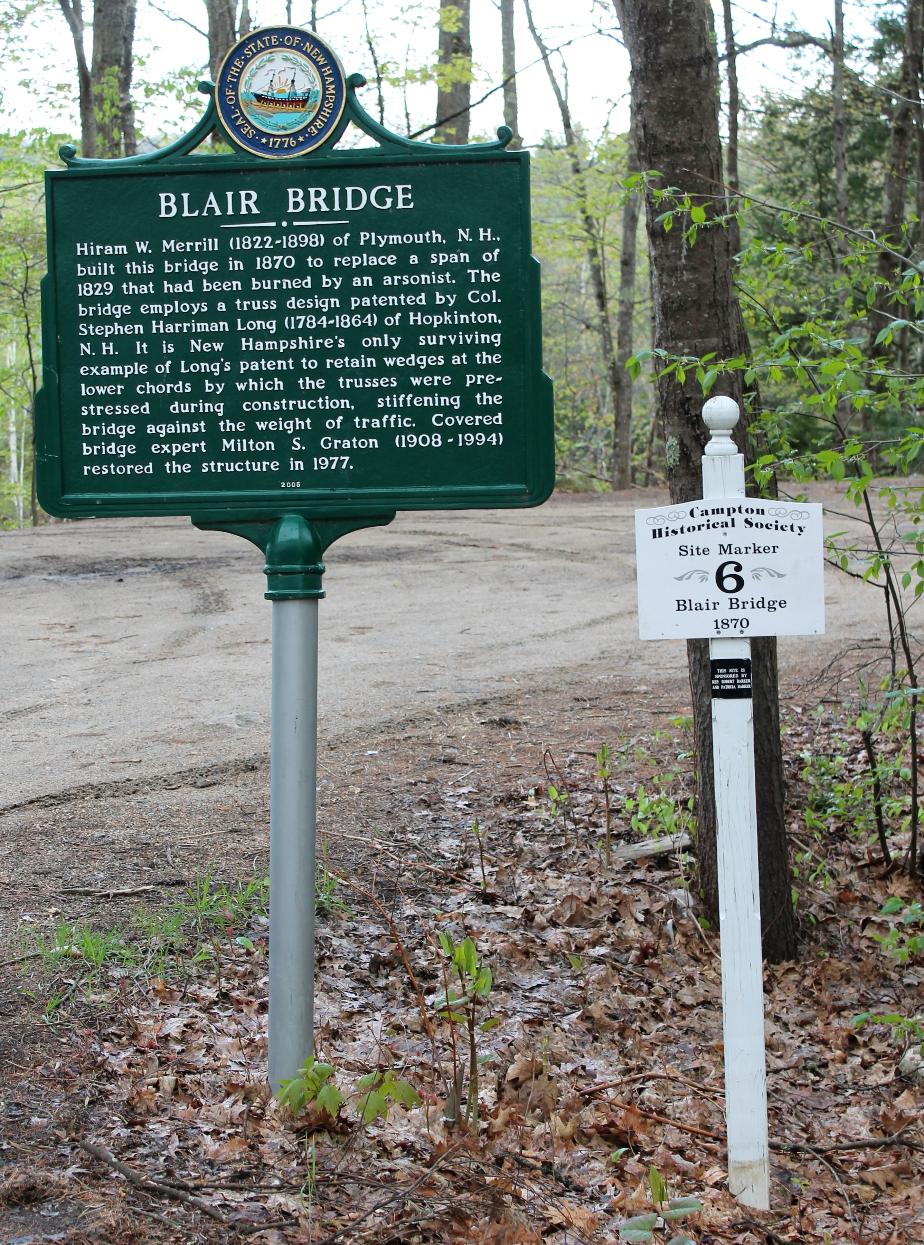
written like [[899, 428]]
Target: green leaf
[[446, 943], [681, 1240], [330, 1099], [466, 957], [893, 905], [709, 380], [698, 215], [483, 982], [403, 1093], [372, 1105], [678, 1207], [657, 1185], [638, 1228]]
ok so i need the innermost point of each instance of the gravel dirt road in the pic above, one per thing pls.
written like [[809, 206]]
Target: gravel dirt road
[[135, 649]]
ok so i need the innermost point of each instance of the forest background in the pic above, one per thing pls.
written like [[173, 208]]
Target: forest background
[[809, 117]]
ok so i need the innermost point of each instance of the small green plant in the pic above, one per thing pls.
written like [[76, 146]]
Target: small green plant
[[380, 1090], [314, 1082], [903, 942], [479, 839], [808, 866], [89, 949], [558, 802], [327, 900], [657, 814], [907, 1030], [836, 798], [603, 773], [161, 943], [212, 906], [642, 1228], [462, 1003], [905, 939]]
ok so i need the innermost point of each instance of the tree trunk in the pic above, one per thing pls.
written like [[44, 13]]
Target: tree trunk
[[906, 107], [675, 88], [73, 15], [839, 128], [734, 105], [222, 25], [509, 73], [454, 72], [107, 118], [625, 321], [111, 70]]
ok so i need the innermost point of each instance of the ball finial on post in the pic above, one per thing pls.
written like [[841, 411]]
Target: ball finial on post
[[720, 415]]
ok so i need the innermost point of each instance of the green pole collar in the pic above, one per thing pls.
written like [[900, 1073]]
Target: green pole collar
[[293, 546]]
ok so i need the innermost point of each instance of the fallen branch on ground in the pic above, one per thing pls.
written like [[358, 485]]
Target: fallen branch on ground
[[176, 1194]]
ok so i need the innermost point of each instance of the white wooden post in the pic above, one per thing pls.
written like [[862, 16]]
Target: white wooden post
[[739, 893]]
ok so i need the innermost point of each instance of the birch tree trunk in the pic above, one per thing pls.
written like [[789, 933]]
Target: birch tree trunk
[[671, 45]]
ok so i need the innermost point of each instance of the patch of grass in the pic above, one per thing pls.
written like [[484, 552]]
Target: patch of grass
[[171, 942], [78, 944], [212, 906]]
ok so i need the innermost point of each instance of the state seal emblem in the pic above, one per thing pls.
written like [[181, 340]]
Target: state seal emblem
[[280, 92]]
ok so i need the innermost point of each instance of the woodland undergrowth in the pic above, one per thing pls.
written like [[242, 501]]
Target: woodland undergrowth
[[519, 1029]]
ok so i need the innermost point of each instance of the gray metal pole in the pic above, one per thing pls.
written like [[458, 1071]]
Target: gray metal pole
[[293, 779]]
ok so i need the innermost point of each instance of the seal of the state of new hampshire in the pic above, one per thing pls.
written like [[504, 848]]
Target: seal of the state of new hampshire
[[280, 92]]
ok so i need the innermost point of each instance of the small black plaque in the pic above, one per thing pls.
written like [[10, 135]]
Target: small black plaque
[[731, 679]]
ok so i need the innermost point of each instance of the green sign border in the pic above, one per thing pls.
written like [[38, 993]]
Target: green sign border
[[225, 508]]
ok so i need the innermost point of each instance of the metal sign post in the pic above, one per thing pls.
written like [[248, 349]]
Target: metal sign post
[[725, 568], [293, 786], [290, 343]]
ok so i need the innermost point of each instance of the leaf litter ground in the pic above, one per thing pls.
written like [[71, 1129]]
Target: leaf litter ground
[[134, 1095]]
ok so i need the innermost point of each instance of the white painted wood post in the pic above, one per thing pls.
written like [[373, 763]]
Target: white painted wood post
[[739, 893]]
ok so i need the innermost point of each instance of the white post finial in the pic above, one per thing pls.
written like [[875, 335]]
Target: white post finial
[[720, 416]]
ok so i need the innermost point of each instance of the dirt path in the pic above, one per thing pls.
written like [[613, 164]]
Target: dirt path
[[135, 650]]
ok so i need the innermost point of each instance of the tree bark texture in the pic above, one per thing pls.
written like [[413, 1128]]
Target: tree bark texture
[[839, 127], [671, 45], [734, 105], [454, 72], [111, 71], [905, 111], [625, 322], [509, 73], [222, 28], [73, 15]]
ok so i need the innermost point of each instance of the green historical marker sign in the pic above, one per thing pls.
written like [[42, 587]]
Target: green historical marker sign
[[345, 333], [290, 343]]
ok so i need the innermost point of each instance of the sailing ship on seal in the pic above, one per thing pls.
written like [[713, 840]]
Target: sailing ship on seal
[[281, 93]]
